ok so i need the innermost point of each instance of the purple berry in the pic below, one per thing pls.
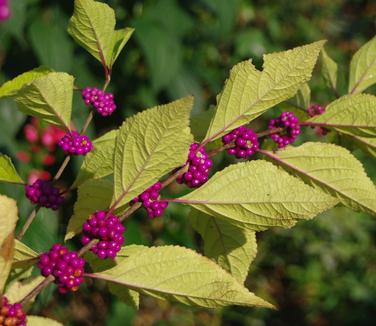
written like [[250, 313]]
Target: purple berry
[[107, 228], [317, 109], [75, 144], [150, 200], [43, 193], [66, 266], [102, 102], [244, 140], [199, 165], [11, 314], [291, 129]]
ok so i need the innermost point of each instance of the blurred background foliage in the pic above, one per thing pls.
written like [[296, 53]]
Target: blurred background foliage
[[321, 272]]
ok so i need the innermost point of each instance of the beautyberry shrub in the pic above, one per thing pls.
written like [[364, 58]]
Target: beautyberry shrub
[[199, 166], [291, 129], [107, 228], [43, 193], [150, 200], [66, 266], [11, 314], [244, 140]]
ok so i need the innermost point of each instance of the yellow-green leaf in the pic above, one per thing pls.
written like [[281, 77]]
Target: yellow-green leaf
[[350, 114], [329, 69], [93, 195], [367, 144], [8, 220], [149, 145], [23, 256], [363, 67], [19, 289], [258, 195], [93, 27], [180, 274], [232, 247], [48, 97], [8, 172], [41, 321], [11, 87], [249, 92], [99, 162], [331, 168]]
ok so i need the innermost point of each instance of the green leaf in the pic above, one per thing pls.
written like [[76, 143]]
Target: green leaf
[[128, 296], [367, 144], [303, 97], [331, 168], [180, 274], [48, 97], [232, 247], [363, 67], [8, 220], [99, 162], [93, 27], [258, 195], [8, 172], [119, 39], [249, 92], [19, 289], [329, 69], [23, 256], [149, 145], [41, 321], [11, 87], [93, 195], [200, 123], [350, 114]]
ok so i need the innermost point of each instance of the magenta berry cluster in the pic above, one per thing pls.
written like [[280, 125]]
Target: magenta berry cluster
[[244, 140], [11, 314], [107, 228], [75, 144], [199, 165], [291, 129], [315, 109], [102, 102], [150, 199], [43, 193], [66, 266]]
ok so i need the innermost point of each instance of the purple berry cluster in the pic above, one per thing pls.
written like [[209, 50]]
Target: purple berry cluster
[[11, 314], [291, 129], [199, 165], [43, 193], [102, 102], [315, 109], [150, 199], [245, 142], [66, 266], [75, 144], [106, 227]]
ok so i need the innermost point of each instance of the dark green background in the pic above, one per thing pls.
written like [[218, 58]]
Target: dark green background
[[322, 272]]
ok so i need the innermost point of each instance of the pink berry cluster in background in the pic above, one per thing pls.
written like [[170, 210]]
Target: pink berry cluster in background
[[199, 166], [66, 266], [107, 228], [42, 140], [315, 109], [75, 144], [11, 314], [4, 10], [101, 101], [291, 129], [44, 194], [244, 140], [150, 200]]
